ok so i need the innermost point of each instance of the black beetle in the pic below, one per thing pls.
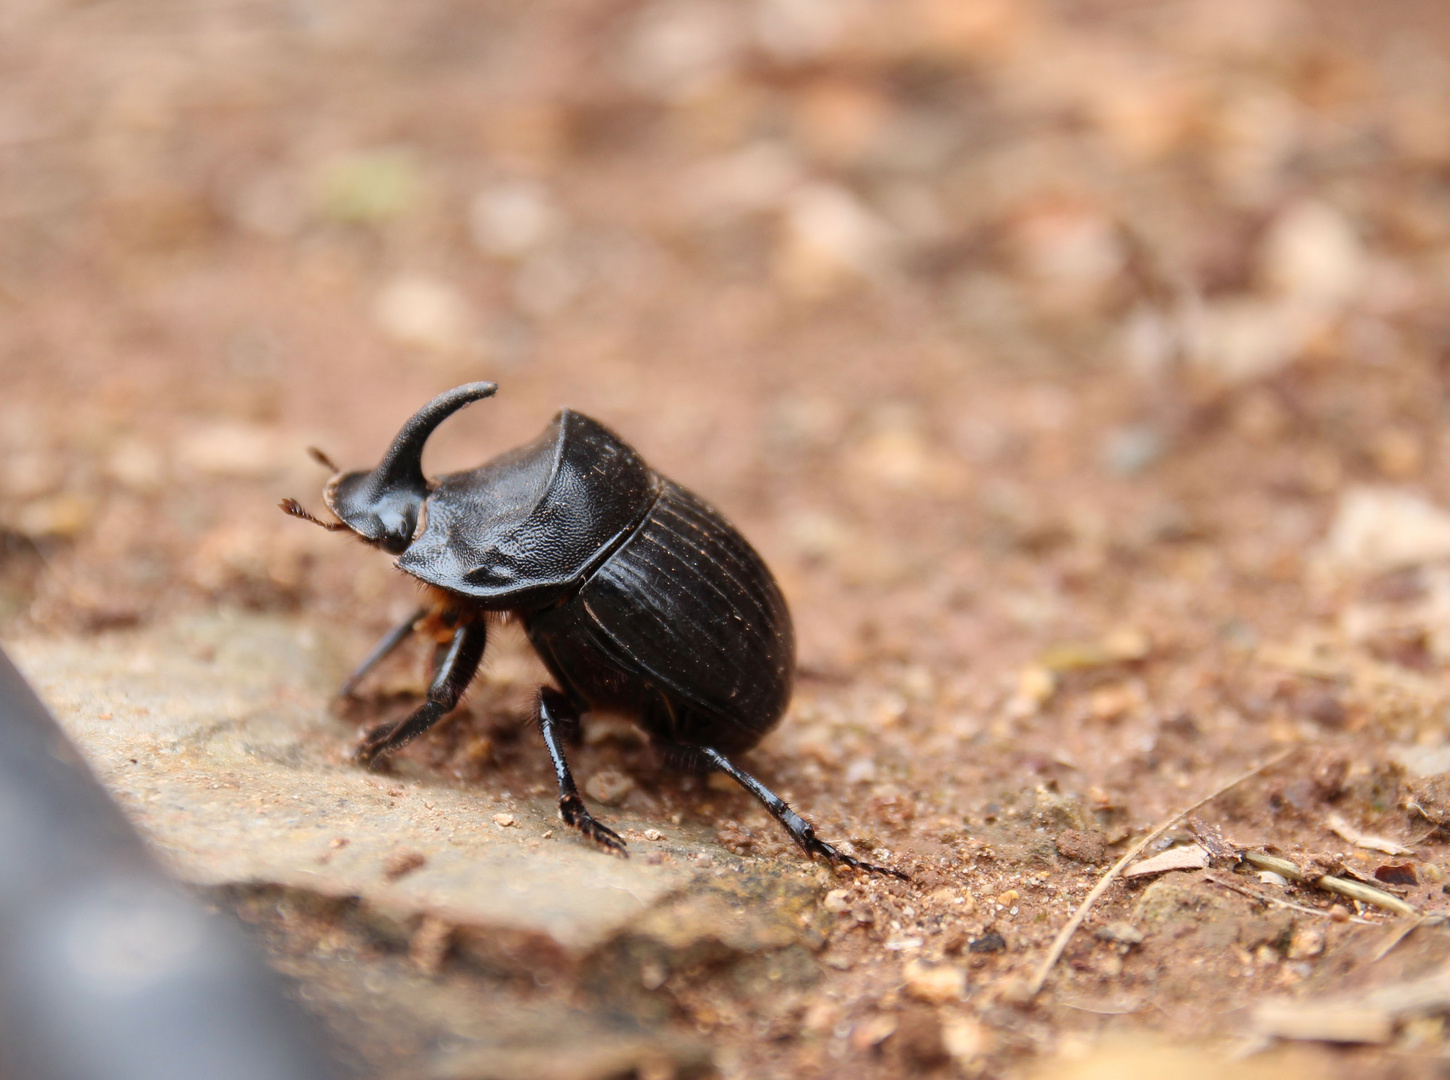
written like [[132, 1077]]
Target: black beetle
[[636, 595]]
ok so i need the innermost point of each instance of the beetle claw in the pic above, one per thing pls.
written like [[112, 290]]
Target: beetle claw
[[872, 868], [573, 813], [839, 858], [370, 752], [370, 757]]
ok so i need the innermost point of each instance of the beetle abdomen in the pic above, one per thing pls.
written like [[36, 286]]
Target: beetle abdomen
[[688, 606]]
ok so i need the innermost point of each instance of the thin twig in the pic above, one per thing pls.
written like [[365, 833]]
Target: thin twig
[[1397, 934], [1305, 909], [1365, 894], [1104, 1009], [1059, 944]]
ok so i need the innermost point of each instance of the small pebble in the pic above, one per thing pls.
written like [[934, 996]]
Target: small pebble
[[1129, 451], [512, 218], [934, 983], [424, 313], [609, 786], [402, 863], [1306, 942], [233, 448], [653, 834], [1082, 845], [991, 941], [503, 821], [872, 1032], [1124, 933]]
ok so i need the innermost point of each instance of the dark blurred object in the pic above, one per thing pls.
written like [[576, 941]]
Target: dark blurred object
[[107, 969]]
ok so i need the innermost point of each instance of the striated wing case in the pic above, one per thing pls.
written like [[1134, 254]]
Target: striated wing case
[[688, 603]]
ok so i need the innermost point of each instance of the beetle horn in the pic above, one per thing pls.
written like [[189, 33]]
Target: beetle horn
[[402, 465], [382, 506]]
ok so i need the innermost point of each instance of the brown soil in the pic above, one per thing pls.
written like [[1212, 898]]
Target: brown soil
[[1042, 348]]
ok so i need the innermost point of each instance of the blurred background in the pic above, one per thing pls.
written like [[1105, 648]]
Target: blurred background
[[999, 326], [891, 283]]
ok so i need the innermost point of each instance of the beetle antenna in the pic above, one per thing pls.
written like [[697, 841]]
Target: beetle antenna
[[322, 459], [296, 509]]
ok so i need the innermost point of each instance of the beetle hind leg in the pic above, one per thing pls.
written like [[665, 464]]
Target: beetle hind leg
[[557, 717], [799, 828], [456, 669]]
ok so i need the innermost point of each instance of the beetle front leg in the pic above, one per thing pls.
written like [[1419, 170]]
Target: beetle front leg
[[455, 671], [799, 828], [389, 641], [557, 712]]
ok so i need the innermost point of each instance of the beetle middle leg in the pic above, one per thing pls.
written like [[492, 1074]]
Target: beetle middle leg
[[799, 828], [558, 715], [456, 668]]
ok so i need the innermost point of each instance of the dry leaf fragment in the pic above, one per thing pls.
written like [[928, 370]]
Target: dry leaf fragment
[[1345, 831], [1367, 1018], [1321, 1022], [1397, 874], [1212, 840], [1123, 645], [1186, 857]]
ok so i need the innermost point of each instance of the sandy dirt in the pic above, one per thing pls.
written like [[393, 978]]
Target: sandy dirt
[[1079, 368]]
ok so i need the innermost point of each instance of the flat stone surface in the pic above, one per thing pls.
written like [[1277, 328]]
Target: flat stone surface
[[453, 1028], [216, 738]]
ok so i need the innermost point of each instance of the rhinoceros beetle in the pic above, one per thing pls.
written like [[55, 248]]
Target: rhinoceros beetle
[[636, 594]]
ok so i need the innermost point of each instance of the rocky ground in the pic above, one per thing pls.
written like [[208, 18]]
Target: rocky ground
[[1079, 368]]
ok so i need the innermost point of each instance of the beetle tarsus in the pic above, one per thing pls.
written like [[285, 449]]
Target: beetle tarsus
[[557, 717], [457, 664], [838, 859], [573, 813], [386, 737], [801, 830]]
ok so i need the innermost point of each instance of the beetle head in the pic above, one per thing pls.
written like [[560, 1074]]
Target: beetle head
[[382, 505]]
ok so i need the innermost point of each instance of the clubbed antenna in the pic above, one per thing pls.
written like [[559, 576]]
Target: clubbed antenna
[[296, 509]]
